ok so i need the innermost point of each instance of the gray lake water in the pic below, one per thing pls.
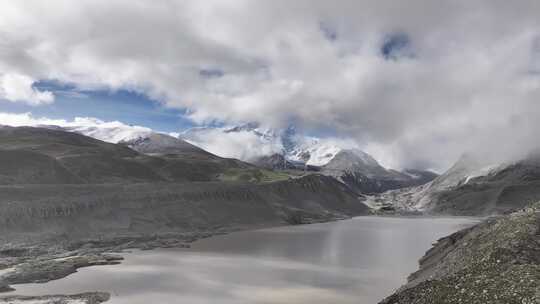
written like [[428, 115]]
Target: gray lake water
[[354, 261]]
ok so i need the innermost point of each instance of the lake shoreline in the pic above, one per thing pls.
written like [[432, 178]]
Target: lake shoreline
[[60, 265], [97, 252]]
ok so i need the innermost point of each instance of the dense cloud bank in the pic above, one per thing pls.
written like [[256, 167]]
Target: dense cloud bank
[[415, 82]]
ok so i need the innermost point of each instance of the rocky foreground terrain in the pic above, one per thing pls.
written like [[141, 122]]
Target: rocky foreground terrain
[[496, 261]]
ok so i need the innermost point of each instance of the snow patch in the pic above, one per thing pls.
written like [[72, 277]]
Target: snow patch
[[113, 132], [487, 170], [319, 153]]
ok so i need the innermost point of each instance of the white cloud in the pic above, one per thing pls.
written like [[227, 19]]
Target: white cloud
[[244, 145], [470, 70], [27, 119], [18, 88]]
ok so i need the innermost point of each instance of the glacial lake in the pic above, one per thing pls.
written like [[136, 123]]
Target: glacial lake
[[361, 260]]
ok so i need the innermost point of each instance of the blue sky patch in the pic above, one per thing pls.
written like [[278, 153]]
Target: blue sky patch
[[126, 106], [395, 46]]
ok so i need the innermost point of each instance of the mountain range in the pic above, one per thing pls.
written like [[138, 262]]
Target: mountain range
[[339, 159], [470, 186], [64, 193], [277, 150], [74, 181]]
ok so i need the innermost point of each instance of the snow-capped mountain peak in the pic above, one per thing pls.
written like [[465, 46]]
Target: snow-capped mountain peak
[[250, 141], [313, 151], [111, 131]]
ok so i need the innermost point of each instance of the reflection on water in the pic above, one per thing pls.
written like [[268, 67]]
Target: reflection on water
[[355, 261]]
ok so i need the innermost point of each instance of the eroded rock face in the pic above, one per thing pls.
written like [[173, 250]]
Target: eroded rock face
[[496, 261]]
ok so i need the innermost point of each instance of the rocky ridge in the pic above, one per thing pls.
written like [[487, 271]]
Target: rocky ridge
[[496, 261]]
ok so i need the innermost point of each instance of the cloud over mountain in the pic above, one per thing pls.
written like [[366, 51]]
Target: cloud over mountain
[[109, 131], [419, 81]]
